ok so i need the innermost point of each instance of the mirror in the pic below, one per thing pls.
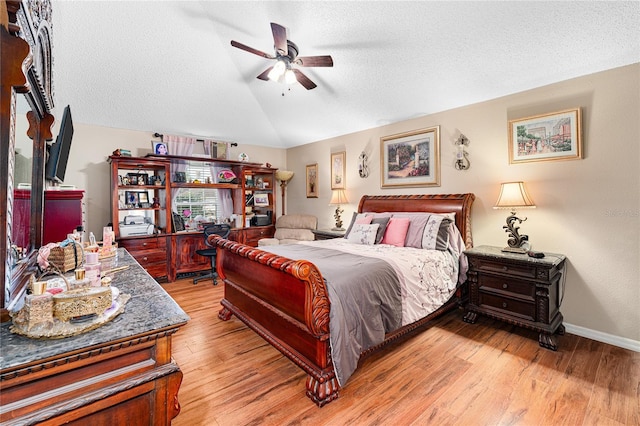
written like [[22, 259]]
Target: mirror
[[20, 237], [26, 103]]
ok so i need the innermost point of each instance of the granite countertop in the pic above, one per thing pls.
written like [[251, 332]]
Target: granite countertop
[[496, 252], [150, 308]]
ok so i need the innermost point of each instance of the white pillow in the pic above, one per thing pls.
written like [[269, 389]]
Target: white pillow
[[363, 234]]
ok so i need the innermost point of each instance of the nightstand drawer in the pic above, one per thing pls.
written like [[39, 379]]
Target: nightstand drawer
[[508, 286], [516, 270], [526, 310]]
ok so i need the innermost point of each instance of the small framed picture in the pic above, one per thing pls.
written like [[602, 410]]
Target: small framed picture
[[143, 197], [261, 200], [160, 148], [338, 170], [180, 177], [132, 197], [312, 180]]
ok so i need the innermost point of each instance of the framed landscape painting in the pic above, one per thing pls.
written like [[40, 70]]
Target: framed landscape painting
[[546, 137], [411, 158]]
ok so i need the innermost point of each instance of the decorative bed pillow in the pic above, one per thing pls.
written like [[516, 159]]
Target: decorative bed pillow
[[360, 218], [418, 222], [363, 234], [436, 233], [382, 221], [396, 231]]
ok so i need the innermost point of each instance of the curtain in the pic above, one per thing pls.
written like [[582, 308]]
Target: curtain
[[178, 145], [225, 202]]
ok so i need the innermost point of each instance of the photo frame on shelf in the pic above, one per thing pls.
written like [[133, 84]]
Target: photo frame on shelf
[[132, 198], [160, 148], [143, 197], [546, 137], [261, 199], [180, 177], [312, 180], [338, 170], [411, 158]]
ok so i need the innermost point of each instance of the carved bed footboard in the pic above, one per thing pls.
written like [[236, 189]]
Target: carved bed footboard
[[286, 303]]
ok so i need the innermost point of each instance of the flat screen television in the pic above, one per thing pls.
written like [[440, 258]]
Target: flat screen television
[[59, 151]]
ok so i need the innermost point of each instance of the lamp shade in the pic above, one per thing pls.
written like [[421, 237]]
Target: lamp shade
[[513, 195], [284, 175], [338, 197]]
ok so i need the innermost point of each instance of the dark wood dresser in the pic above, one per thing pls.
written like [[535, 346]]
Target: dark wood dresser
[[120, 373], [518, 289]]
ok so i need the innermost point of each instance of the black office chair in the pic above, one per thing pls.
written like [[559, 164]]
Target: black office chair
[[221, 229]]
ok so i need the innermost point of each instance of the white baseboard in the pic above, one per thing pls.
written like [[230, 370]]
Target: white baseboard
[[622, 342]]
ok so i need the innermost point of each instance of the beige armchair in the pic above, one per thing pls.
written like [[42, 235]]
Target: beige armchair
[[291, 229]]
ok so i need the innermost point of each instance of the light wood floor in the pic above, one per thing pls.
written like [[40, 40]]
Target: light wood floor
[[453, 373]]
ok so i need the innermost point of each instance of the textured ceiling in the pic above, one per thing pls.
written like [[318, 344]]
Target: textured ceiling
[[169, 66]]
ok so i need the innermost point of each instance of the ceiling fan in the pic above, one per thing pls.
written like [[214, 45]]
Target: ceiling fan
[[286, 56]]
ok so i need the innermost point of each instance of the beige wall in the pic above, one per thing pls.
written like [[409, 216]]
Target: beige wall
[[587, 209]]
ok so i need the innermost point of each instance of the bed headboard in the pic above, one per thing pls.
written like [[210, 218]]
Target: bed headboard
[[432, 203]]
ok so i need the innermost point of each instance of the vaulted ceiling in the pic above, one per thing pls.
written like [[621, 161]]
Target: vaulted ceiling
[[168, 66]]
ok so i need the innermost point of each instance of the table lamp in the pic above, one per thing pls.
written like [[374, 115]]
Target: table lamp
[[338, 197], [514, 196], [284, 176]]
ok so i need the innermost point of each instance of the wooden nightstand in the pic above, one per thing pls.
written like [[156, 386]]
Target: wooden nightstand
[[518, 289], [327, 234]]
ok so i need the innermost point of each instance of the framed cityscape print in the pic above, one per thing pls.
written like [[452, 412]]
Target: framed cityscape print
[[410, 159], [546, 137]]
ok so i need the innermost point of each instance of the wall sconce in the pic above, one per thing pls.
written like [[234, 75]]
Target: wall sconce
[[512, 196], [338, 197], [284, 176], [363, 167], [462, 162]]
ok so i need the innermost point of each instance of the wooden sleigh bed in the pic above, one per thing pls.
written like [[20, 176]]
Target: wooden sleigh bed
[[286, 301]]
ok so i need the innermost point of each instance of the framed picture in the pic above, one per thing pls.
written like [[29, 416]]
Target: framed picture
[[180, 177], [143, 197], [132, 198], [160, 148], [312, 180], [261, 200], [546, 137], [410, 159], [338, 170]]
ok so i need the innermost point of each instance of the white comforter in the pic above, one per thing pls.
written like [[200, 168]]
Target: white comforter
[[428, 278]]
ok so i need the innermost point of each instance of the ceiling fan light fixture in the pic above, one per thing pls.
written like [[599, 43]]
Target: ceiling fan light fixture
[[277, 71], [289, 76]]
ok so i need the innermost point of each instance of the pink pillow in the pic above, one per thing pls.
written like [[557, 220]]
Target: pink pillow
[[396, 231], [363, 220]]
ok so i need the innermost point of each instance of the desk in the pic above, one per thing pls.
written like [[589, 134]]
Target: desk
[[121, 372]]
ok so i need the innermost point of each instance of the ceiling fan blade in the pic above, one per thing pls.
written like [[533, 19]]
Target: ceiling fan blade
[[304, 80], [314, 61], [279, 38], [265, 74], [251, 50]]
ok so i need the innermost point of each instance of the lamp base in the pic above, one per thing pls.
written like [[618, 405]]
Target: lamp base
[[337, 229], [518, 250]]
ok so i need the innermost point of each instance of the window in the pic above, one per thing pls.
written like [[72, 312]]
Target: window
[[197, 201]]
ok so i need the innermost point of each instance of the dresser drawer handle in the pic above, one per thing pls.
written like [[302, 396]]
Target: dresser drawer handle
[[505, 268], [145, 259], [505, 285], [504, 304], [144, 244]]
